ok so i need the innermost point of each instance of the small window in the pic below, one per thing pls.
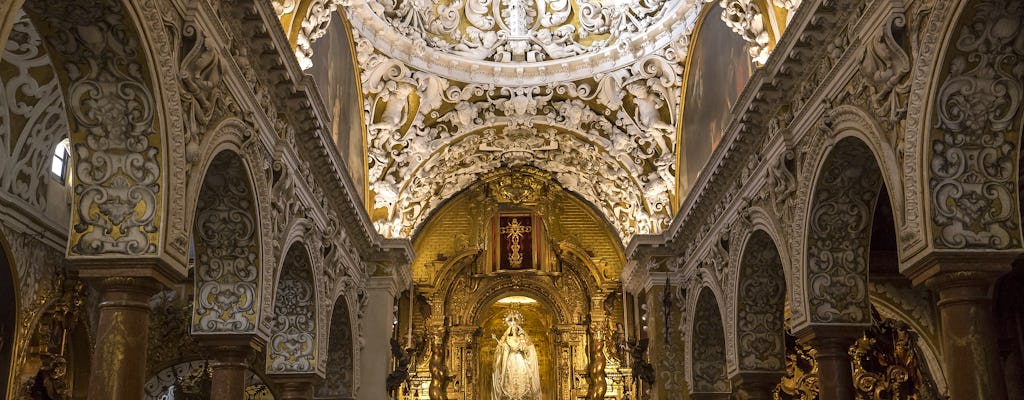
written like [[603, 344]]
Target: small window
[[61, 159]]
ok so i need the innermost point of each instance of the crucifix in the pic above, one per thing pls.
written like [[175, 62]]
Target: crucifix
[[515, 231]]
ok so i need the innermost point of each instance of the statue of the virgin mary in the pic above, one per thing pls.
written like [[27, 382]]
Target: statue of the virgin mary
[[516, 376]]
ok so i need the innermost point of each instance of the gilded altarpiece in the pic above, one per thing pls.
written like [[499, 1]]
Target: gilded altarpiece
[[470, 280]]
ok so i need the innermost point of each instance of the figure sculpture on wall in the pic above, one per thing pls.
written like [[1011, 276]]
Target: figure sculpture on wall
[[516, 375], [401, 373], [643, 371]]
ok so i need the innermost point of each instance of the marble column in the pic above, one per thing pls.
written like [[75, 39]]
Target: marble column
[[970, 354], [119, 359], [835, 372], [963, 282], [378, 320], [755, 385], [229, 354]]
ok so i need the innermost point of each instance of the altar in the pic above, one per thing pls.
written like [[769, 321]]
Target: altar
[[518, 307]]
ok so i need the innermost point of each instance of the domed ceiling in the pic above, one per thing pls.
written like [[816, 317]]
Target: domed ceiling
[[588, 90]]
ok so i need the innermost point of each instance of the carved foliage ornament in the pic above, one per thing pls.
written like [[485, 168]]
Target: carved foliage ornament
[[292, 347], [745, 18], [621, 123], [708, 347], [227, 250], [340, 369], [839, 235], [114, 131], [32, 118], [976, 135], [762, 295], [518, 30]]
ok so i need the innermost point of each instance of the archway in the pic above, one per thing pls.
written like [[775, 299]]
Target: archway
[[839, 234], [707, 349], [338, 384], [760, 314], [227, 251], [293, 347]]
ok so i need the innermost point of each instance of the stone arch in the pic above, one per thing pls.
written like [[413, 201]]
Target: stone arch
[[838, 228], [35, 123], [340, 380], [707, 367], [227, 249], [293, 347], [964, 123], [235, 137], [760, 307], [117, 125], [191, 372], [543, 292]]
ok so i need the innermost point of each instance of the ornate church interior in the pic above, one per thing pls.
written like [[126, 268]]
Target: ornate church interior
[[511, 199]]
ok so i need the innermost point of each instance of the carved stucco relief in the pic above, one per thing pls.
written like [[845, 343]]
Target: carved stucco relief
[[976, 134], [338, 382], [708, 347], [762, 295], [227, 250], [293, 345], [838, 237], [32, 117], [115, 134]]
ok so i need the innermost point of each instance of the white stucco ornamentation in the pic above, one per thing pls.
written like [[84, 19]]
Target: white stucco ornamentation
[[608, 136]]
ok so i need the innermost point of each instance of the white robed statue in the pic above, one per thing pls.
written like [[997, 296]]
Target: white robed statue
[[516, 376]]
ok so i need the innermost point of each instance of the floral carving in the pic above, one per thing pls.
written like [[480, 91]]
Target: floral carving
[[839, 235], [292, 347], [114, 129], [227, 250], [340, 370], [745, 18], [32, 118], [762, 295], [975, 140], [518, 30], [708, 347]]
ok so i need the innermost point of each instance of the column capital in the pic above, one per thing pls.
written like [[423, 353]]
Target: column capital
[[295, 386], [231, 346], [819, 334], [959, 264], [155, 269], [755, 385], [390, 277]]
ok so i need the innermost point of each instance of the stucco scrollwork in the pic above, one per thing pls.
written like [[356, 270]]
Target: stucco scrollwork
[[338, 382], [708, 347], [839, 235], [292, 347], [976, 135], [762, 292], [227, 250], [745, 18], [32, 118], [114, 131]]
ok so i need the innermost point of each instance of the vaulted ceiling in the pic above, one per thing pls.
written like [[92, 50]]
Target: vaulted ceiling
[[587, 90]]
